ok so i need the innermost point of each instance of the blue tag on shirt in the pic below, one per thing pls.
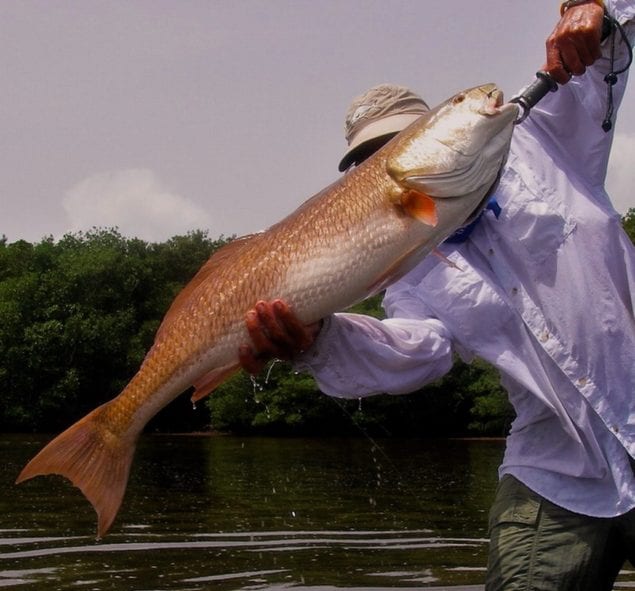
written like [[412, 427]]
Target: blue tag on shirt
[[462, 234]]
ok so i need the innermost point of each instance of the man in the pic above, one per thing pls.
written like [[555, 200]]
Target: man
[[545, 292]]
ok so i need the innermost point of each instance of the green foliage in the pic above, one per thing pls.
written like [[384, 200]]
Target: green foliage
[[468, 401], [448, 407], [370, 307], [281, 402], [628, 222], [77, 317], [491, 410]]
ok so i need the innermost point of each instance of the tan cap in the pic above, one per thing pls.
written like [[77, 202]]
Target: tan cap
[[383, 110]]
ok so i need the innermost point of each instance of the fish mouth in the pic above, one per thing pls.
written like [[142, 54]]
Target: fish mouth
[[495, 100], [494, 103]]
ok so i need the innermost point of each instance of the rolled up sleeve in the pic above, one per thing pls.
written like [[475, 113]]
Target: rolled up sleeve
[[358, 356]]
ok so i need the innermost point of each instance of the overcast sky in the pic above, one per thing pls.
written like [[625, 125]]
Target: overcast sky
[[161, 117]]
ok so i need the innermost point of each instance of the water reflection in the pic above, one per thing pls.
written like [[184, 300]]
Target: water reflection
[[372, 559], [230, 513]]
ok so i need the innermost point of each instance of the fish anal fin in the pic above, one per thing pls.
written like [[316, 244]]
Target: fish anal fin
[[206, 384], [93, 460], [419, 206]]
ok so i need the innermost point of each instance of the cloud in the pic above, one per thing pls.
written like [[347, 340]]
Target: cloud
[[620, 182], [136, 202]]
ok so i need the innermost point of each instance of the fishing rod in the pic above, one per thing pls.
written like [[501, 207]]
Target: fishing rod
[[544, 83]]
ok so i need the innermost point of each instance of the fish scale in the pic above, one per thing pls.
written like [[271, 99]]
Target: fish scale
[[342, 245]]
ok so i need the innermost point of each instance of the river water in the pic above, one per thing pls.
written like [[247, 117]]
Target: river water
[[227, 513]]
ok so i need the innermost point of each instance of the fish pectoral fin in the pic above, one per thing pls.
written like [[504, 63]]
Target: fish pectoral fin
[[206, 384], [420, 206]]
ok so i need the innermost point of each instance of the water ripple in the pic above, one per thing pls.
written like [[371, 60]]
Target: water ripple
[[253, 541], [229, 576]]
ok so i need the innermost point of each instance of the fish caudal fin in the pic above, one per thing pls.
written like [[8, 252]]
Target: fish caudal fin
[[93, 460]]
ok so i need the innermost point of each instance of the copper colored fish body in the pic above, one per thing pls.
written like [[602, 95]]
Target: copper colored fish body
[[347, 242]]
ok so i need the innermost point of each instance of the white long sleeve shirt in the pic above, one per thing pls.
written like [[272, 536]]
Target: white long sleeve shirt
[[545, 293]]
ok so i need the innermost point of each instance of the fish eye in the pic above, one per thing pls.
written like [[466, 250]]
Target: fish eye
[[459, 98]]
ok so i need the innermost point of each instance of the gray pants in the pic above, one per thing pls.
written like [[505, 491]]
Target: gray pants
[[538, 546]]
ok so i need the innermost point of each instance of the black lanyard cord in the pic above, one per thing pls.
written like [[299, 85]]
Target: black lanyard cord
[[611, 77]]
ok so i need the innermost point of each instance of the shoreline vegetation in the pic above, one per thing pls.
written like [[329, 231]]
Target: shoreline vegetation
[[78, 314]]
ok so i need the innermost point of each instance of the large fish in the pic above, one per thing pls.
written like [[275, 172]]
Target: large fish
[[342, 245]]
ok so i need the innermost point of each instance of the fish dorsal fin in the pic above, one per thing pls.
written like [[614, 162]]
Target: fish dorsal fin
[[209, 267], [420, 206], [207, 383]]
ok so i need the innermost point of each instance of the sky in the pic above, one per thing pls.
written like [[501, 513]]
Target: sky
[[161, 117]]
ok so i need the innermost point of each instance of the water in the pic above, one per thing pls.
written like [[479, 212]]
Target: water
[[252, 513]]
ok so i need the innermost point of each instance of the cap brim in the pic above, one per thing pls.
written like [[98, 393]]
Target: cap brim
[[373, 131], [364, 150]]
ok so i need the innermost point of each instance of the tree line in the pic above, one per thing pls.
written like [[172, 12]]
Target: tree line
[[77, 316]]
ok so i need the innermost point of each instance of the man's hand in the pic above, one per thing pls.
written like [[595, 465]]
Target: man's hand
[[275, 332], [575, 42]]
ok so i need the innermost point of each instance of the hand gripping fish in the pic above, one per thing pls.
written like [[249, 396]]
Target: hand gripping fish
[[344, 244]]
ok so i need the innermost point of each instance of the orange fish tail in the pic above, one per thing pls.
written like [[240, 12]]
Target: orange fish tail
[[93, 459]]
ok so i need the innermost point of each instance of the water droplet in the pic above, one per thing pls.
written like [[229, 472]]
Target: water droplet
[[270, 369], [254, 383]]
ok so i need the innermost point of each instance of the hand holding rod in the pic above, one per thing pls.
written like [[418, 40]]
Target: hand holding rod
[[544, 83]]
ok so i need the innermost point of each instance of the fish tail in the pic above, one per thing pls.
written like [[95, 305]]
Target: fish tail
[[94, 459]]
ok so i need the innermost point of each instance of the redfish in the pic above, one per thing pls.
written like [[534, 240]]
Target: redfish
[[342, 245]]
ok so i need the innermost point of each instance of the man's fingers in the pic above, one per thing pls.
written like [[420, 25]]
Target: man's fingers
[[566, 61], [275, 330], [248, 361], [557, 71], [571, 59], [297, 335], [269, 337], [261, 342], [575, 42], [579, 53]]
